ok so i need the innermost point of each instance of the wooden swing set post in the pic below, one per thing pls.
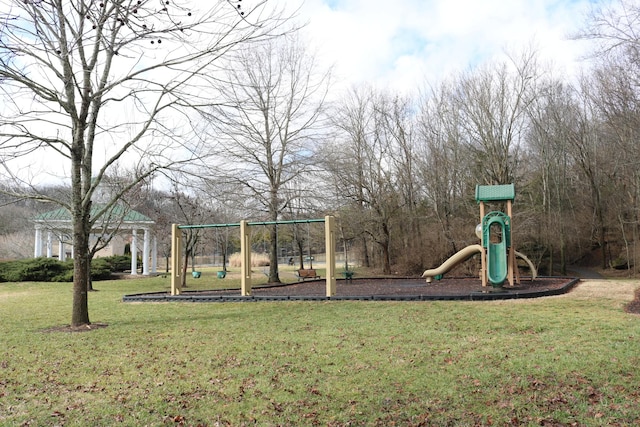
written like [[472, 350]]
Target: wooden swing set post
[[483, 254], [330, 251], [511, 262], [245, 255], [176, 250]]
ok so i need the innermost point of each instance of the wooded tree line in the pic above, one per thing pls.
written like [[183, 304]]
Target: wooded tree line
[[400, 171]]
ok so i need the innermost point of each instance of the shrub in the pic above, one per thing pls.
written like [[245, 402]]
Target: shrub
[[101, 269], [117, 263], [10, 271], [35, 270], [49, 270]]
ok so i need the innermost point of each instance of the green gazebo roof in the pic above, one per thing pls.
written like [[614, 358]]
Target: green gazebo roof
[[117, 211]]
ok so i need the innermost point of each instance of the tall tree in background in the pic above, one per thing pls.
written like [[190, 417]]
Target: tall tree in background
[[346, 160], [614, 93], [361, 165], [265, 131], [613, 26], [399, 124], [610, 98], [617, 98], [493, 101], [446, 173], [86, 84], [553, 119]]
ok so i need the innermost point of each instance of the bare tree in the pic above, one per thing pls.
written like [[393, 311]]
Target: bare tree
[[188, 211], [553, 119], [445, 166], [493, 100], [89, 83], [399, 123], [266, 131], [617, 97], [613, 27], [614, 94], [361, 166]]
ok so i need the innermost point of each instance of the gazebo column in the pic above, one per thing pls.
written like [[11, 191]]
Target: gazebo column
[[145, 252], [134, 251], [61, 254], [49, 244], [37, 252], [154, 255]]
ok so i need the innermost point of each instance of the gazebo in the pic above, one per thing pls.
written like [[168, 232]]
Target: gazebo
[[56, 225]]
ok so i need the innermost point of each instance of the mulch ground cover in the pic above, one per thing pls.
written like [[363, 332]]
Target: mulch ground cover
[[394, 288], [409, 286]]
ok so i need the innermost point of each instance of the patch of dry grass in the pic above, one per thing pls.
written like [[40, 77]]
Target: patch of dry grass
[[612, 289]]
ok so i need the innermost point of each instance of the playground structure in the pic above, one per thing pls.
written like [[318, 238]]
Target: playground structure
[[498, 257], [245, 251]]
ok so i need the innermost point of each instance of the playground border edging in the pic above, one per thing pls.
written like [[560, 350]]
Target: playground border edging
[[473, 296]]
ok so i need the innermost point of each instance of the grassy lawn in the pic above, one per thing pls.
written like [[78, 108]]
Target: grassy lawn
[[570, 360]]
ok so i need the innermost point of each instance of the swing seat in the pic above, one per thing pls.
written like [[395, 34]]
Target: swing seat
[[307, 273], [196, 274], [348, 275]]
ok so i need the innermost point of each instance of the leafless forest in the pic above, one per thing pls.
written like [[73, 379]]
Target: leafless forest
[[277, 142]]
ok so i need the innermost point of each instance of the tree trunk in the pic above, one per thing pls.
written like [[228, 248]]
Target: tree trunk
[[386, 265], [274, 277], [386, 252], [89, 279], [300, 246], [600, 222], [185, 267], [366, 261], [224, 259], [344, 248], [81, 223], [80, 307]]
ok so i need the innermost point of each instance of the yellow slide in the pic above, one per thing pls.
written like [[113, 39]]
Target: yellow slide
[[463, 255], [460, 256]]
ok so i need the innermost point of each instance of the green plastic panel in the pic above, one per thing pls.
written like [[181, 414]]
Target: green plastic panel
[[488, 193], [504, 222]]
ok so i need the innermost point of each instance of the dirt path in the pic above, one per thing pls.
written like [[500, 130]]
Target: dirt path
[[584, 273], [615, 289]]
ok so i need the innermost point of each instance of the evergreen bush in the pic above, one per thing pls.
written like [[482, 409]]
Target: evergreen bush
[[52, 270], [118, 263]]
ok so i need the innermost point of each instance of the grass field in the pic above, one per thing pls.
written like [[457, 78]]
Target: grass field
[[569, 360]]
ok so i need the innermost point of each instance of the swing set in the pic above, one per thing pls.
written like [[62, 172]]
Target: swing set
[[245, 251]]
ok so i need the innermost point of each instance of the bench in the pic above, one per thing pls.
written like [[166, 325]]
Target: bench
[[304, 273]]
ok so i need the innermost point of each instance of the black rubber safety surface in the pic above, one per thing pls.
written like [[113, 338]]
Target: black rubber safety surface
[[396, 289]]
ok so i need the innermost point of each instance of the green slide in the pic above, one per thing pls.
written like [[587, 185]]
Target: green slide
[[497, 263], [496, 232]]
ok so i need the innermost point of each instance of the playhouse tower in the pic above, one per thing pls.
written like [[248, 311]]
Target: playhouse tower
[[498, 256]]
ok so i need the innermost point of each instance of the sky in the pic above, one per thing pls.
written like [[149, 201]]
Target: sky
[[400, 44], [405, 45]]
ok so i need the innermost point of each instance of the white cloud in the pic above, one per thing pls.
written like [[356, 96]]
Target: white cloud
[[403, 43]]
